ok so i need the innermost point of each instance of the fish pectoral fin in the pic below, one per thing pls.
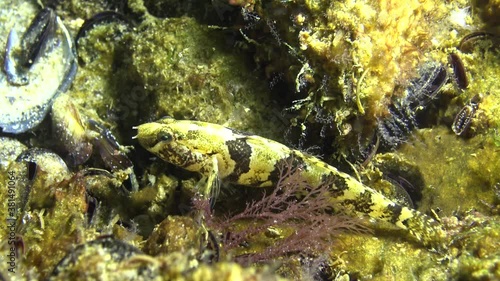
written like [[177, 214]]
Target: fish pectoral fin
[[209, 185]]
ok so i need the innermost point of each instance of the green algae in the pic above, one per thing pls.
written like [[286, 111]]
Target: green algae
[[373, 259], [477, 248], [174, 234], [459, 184], [360, 53], [50, 219], [103, 81], [192, 76], [473, 255], [79, 9], [178, 67], [458, 174]]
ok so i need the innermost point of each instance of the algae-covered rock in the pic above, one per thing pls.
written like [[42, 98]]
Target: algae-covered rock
[[458, 174], [476, 248], [472, 255], [369, 258], [354, 58], [105, 89], [117, 260], [174, 234], [346, 60], [192, 75], [455, 177], [47, 216]]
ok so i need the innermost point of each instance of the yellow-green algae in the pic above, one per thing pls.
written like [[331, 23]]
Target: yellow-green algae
[[174, 234], [53, 219], [461, 187], [473, 255], [459, 174], [194, 76], [182, 72], [57, 220], [172, 66], [368, 51], [174, 266], [173, 258], [104, 82]]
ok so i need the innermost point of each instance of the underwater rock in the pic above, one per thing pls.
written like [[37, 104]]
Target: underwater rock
[[106, 252], [171, 235], [10, 149]]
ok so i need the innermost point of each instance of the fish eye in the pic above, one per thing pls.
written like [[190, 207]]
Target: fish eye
[[164, 136]]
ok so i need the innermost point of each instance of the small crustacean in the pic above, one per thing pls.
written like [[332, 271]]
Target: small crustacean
[[110, 150], [464, 118], [79, 138], [36, 69]]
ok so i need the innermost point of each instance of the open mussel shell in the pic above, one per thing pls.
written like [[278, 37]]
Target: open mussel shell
[[37, 171], [46, 58], [395, 128], [424, 88], [37, 38]]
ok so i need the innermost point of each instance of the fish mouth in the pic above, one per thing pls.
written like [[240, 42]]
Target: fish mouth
[[135, 128]]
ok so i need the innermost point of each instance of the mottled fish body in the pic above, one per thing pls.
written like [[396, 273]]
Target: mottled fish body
[[251, 160]]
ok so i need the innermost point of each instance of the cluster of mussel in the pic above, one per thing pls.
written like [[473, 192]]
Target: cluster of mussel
[[394, 129], [410, 110], [39, 65]]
